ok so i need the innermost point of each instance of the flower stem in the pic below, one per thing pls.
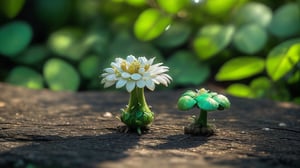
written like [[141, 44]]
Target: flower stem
[[137, 98], [202, 120], [138, 114]]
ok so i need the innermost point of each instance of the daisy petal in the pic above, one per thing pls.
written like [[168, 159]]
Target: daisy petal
[[108, 84], [130, 86], [109, 70], [136, 76], [125, 75], [140, 84], [150, 61], [141, 70], [130, 58], [121, 83], [111, 77], [150, 84]]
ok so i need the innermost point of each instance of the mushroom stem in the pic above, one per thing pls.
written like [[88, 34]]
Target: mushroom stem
[[202, 120]]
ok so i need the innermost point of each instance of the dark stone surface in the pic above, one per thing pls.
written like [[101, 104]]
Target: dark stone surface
[[59, 129]]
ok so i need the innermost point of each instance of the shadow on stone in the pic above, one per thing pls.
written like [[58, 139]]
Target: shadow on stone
[[182, 141], [79, 151]]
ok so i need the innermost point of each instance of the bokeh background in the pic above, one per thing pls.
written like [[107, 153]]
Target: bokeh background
[[250, 48]]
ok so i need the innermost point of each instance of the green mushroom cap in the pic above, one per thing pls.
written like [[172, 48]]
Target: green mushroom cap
[[190, 93], [205, 102], [223, 101], [204, 99], [186, 103]]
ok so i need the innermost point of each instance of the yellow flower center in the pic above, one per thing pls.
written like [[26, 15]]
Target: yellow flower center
[[133, 67], [147, 67]]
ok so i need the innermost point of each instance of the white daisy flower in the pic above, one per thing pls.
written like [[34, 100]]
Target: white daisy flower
[[135, 72]]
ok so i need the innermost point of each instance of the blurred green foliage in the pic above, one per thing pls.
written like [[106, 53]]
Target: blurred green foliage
[[250, 47]]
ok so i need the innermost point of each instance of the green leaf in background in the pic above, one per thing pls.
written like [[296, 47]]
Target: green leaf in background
[[124, 44], [173, 6], [175, 35], [14, 38], [240, 90], [97, 40], [286, 21], [33, 55], [250, 38], [137, 2], [60, 75], [185, 70], [240, 68], [219, 7], [150, 24], [11, 8], [212, 39], [296, 100], [26, 77], [260, 86], [53, 13], [294, 78], [282, 59], [253, 13], [89, 67], [68, 43]]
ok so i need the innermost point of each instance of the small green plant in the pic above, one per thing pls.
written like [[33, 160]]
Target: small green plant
[[206, 101], [136, 74]]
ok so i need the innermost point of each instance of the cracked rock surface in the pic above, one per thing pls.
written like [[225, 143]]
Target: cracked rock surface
[[61, 129]]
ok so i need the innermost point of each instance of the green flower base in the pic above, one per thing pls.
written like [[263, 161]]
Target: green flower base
[[137, 120], [137, 115], [199, 130]]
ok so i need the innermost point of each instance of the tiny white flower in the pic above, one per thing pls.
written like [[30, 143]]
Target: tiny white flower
[[135, 72]]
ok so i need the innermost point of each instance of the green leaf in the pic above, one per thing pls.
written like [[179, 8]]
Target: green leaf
[[33, 55], [240, 68], [26, 77], [240, 90], [11, 8], [67, 42], [124, 44], [173, 6], [60, 75], [139, 114], [219, 7], [89, 67], [212, 39], [150, 24], [186, 103], [53, 13], [176, 35], [253, 13], [282, 59], [137, 2], [250, 39], [195, 74], [296, 100], [14, 38], [260, 86], [294, 78], [286, 21]]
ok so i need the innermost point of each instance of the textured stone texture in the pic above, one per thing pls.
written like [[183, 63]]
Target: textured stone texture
[[59, 129]]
